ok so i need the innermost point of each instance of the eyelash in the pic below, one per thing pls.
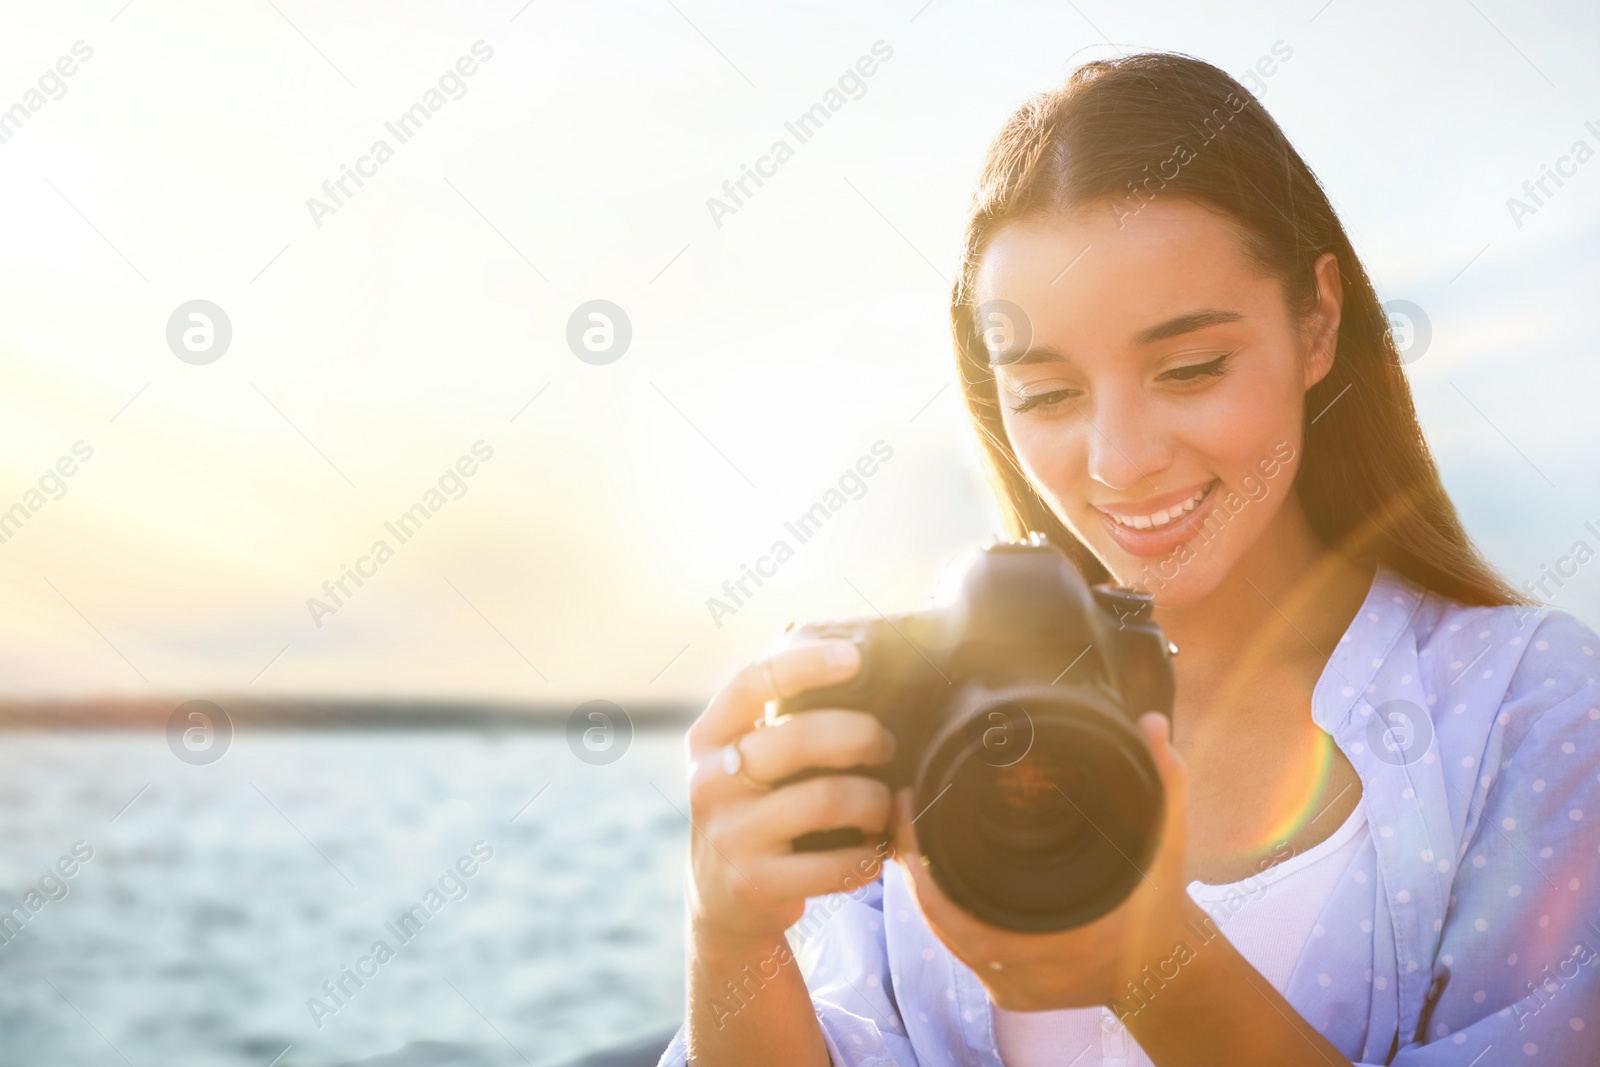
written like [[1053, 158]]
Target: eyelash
[[1212, 369], [1215, 368]]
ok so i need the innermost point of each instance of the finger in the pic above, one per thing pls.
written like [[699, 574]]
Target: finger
[[908, 853], [829, 738], [905, 833], [711, 787], [1167, 868], [794, 669], [831, 801], [1157, 731], [959, 932], [815, 874]]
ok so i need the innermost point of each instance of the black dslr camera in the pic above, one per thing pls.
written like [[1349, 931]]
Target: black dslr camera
[[1038, 805]]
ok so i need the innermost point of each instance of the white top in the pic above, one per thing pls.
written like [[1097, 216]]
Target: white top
[[1268, 917]]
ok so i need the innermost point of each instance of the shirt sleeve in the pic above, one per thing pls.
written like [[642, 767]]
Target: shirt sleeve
[[1518, 955], [843, 954]]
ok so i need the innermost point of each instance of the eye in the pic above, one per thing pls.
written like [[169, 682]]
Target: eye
[[1048, 400], [1195, 371]]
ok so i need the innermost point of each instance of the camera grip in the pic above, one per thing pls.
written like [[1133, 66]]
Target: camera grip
[[827, 840]]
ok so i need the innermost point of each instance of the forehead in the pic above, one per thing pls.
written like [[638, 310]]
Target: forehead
[[1103, 280]]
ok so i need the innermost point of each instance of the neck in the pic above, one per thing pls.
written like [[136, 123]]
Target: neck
[[1283, 605]]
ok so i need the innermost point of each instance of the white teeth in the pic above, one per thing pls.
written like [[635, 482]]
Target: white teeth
[[1161, 518]]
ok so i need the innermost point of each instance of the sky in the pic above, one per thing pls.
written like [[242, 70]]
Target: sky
[[428, 330]]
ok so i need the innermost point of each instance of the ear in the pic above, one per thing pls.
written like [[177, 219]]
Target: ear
[[1324, 323]]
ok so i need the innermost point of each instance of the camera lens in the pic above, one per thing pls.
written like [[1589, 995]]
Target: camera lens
[[1050, 840], [1028, 810]]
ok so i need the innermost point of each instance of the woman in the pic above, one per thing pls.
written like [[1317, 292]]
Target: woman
[[1382, 817]]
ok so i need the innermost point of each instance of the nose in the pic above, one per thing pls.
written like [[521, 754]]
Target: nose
[[1125, 445]]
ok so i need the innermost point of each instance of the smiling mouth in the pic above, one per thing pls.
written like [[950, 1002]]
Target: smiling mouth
[[1154, 520]]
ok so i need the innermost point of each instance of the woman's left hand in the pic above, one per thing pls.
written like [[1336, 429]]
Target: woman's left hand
[[1085, 966]]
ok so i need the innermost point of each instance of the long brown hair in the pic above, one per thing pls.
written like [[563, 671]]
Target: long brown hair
[[1367, 480]]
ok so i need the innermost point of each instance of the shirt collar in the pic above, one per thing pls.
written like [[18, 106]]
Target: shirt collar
[[1390, 605]]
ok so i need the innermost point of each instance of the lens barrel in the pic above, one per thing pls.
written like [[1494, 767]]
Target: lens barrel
[[1047, 837]]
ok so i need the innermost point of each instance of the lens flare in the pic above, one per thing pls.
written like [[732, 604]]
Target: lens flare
[[1026, 783], [1298, 797]]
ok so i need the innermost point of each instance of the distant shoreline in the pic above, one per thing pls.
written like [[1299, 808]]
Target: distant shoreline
[[314, 714]]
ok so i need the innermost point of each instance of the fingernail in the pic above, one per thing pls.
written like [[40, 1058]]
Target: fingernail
[[842, 654]]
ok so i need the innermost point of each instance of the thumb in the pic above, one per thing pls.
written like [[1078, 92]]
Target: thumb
[[904, 834], [1157, 731]]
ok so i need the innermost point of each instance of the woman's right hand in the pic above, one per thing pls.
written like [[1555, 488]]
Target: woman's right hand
[[746, 882]]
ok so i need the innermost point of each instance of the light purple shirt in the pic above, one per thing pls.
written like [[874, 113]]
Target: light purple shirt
[[1473, 731]]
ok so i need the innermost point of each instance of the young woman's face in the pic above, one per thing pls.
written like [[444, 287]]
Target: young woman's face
[[1151, 381]]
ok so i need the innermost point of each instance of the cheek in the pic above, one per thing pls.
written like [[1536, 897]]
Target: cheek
[[1232, 445], [1050, 454], [1243, 427]]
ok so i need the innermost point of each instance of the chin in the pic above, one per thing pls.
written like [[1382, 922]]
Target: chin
[[1221, 533], [1185, 576], [1191, 585]]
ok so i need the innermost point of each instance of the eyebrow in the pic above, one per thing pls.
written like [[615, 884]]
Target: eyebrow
[[1174, 327]]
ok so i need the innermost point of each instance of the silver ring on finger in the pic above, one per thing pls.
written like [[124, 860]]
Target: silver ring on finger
[[733, 765]]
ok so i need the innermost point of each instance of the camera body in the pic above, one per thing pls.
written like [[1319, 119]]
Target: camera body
[[1014, 711]]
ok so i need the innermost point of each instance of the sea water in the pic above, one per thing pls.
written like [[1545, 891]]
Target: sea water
[[229, 915]]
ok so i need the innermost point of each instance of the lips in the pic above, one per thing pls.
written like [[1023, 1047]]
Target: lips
[[1157, 525], [1156, 512]]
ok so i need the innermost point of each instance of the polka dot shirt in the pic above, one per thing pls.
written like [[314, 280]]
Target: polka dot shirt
[[1465, 932]]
